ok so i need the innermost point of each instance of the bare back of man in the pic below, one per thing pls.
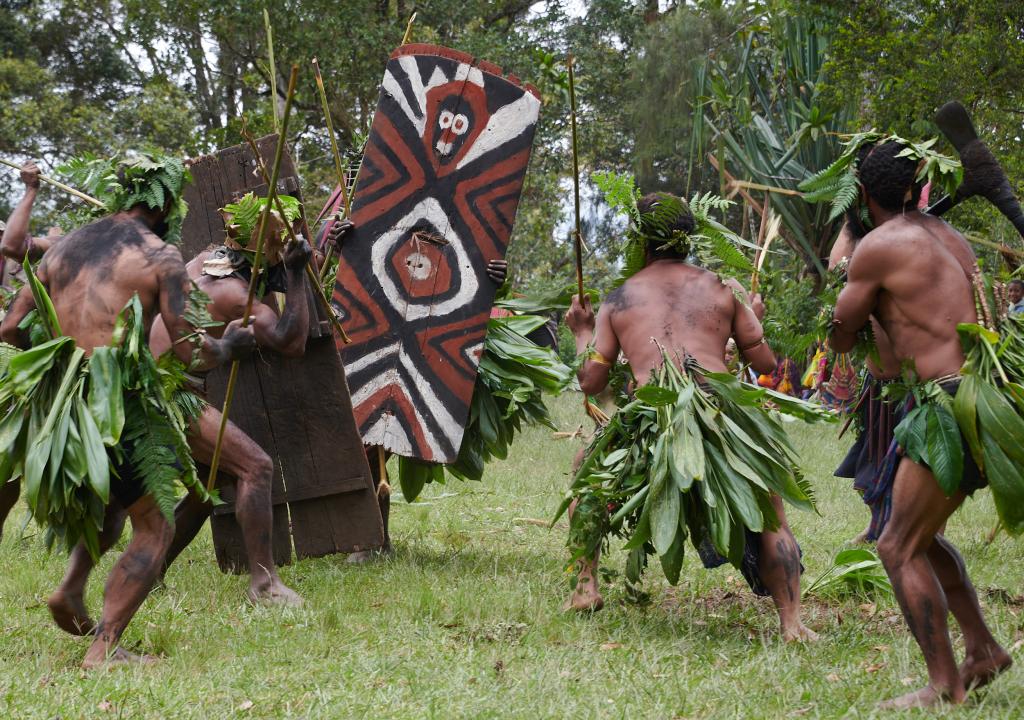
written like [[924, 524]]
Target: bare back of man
[[90, 276], [241, 456], [913, 272], [691, 312]]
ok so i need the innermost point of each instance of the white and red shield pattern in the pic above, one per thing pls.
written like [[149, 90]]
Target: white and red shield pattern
[[436, 200]]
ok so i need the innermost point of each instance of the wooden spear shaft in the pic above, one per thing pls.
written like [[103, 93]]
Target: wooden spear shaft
[[273, 70], [337, 160], [578, 232], [254, 279], [310, 275], [59, 185], [408, 30]]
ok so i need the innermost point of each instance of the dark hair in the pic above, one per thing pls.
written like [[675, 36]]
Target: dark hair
[[888, 179], [1016, 282], [661, 215]]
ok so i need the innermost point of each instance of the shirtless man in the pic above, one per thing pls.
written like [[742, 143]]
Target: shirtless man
[[90, 276], [241, 457], [690, 311], [912, 272]]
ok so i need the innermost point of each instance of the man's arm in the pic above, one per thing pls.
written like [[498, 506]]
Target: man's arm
[[858, 298], [23, 304], [16, 242], [286, 334], [236, 342], [749, 336], [593, 374]]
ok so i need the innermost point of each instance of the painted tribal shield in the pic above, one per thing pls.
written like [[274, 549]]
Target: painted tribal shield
[[435, 200]]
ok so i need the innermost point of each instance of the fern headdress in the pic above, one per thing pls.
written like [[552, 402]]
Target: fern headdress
[[712, 242], [839, 183], [242, 219], [121, 183]]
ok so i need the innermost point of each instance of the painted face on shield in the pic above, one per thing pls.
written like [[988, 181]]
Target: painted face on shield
[[458, 114]]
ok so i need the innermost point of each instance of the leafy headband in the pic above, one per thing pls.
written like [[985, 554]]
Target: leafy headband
[[121, 183], [711, 241], [242, 218], [839, 184]]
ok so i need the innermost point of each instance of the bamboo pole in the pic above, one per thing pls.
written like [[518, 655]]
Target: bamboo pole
[[408, 29], [254, 279], [273, 70], [577, 232], [337, 159], [59, 185], [310, 274]]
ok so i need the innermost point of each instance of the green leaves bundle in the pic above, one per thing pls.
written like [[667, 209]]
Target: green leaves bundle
[[513, 376], [681, 460], [242, 218], [66, 416]]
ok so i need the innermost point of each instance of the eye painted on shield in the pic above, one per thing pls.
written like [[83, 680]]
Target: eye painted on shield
[[460, 124], [446, 119]]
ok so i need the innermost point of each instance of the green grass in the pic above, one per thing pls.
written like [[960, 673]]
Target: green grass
[[465, 622]]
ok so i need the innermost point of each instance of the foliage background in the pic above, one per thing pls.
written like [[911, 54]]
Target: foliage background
[[662, 84]]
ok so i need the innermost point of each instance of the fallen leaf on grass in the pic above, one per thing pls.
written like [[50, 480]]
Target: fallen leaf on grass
[[832, 677], [611, 646], [498, 667], [246, 705], [907, 681], [881, 648], [802, 711], [106, 705], [874, 667], [868, 609]]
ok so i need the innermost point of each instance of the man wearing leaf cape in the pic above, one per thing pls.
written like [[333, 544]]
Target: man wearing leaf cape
[[694, 453], [89, 414], [221, 276], [957, 431]]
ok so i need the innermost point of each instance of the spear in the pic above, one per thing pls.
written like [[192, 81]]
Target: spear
[[337, 161], [310, 275], [591, 409], [59, 185], [408, 30], [273, 69], [578, 232], [254, 279]]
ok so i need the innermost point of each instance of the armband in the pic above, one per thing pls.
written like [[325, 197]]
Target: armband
[[600, 359], [753, 345]]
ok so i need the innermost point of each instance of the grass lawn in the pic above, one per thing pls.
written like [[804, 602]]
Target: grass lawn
[[465, 622]]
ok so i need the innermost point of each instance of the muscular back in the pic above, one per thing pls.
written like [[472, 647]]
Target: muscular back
[[913, 272], [687, 309], [95, 270]]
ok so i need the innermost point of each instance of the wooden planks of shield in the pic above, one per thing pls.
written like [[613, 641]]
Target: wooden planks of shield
[[298, 410], [435, 201]]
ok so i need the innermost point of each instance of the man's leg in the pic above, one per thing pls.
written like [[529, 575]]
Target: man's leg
[[129, 583], [779, 568], [586, 596], [919, 509], [373, 457], [253, 469], [985, 658], [9, 494], [67, 603]]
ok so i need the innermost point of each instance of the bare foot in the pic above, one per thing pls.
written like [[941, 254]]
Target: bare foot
[[861, 539], [70, 613], [274, 592], [980, 670], [926, 697], [117, 658], [798, 632], [365, 556], [585, 598]]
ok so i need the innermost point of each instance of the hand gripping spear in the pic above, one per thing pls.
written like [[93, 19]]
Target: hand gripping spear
[[254, 279], [595, 413]]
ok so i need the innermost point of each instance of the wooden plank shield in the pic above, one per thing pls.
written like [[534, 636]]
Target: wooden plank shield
[[435, 201], [298, 410]]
